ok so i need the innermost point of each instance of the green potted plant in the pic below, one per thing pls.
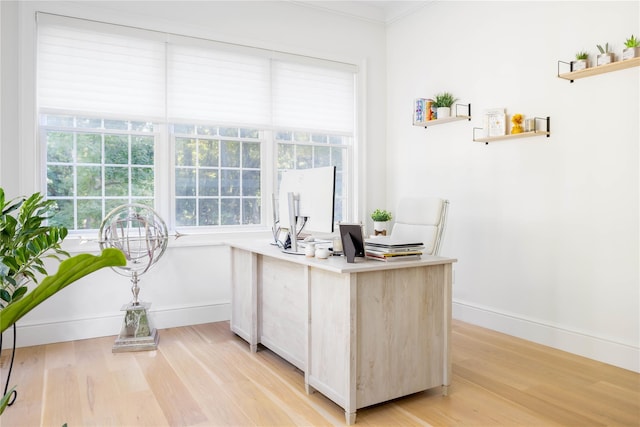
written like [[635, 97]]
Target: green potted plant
[[632, 48], [581, 62], [25, 242], [381, 220], [443, 102], [606, 56]]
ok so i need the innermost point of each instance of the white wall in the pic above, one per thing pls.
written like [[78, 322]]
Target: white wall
[[191, 283], [545, 230]]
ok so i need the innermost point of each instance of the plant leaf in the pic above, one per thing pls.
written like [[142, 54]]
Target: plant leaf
[[40, 269], [5, 399], [19, 293], [69, 271]]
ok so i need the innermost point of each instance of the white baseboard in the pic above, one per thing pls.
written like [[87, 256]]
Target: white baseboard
[[613, 353], [29, 334]]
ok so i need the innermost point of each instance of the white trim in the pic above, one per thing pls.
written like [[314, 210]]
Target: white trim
[[581, 343], [29, 334], [29, 149], [359, 151]]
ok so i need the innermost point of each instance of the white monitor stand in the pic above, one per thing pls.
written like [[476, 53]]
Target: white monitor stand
[[293, 217]]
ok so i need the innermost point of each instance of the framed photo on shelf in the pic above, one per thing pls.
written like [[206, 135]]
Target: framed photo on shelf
[[495, 122]]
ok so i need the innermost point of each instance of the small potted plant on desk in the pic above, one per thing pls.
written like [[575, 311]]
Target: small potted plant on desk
[[581, 62], [632, 48], [381, 220], [443, 102]]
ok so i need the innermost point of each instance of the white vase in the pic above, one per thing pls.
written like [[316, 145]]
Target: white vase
[[443, 112]]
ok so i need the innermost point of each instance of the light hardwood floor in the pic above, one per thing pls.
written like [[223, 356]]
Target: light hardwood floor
[[204, 375]]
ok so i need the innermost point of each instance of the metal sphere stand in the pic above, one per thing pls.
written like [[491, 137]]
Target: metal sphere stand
[[137, 333], [142, 236]]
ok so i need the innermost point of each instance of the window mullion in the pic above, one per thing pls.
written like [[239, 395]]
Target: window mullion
[[165, 174]]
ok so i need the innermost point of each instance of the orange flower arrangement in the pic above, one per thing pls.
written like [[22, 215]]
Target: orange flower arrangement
[[517, 123]]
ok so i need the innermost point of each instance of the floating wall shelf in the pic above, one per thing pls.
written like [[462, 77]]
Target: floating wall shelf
[[534, 132], [594, 71], [457, 117]]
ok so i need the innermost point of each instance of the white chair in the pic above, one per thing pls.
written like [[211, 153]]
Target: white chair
[[423, 219]]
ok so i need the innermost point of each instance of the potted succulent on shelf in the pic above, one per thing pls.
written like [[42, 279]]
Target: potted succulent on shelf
[[25, 242], [606, 56], [581, 62], [632, 48], [381, 220], [443, 102]]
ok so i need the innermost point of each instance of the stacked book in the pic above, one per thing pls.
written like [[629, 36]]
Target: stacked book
[[422, 111], [387, 249]]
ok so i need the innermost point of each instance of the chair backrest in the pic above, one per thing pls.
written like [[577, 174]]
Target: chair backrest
[[421, 218]]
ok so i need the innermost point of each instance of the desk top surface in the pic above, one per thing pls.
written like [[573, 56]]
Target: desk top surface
[[336, 264]]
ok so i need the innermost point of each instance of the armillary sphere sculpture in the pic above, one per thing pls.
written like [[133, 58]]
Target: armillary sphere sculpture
[[142, 236]]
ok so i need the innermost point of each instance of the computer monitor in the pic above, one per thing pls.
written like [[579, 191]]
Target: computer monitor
[[306, 200]]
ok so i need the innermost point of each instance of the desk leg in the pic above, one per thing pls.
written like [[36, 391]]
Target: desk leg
[[253, 343], [308, 387], [244, 299], [446, 333], [350, 418]]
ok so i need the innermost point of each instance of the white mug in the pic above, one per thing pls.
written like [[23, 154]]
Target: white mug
[[310, 250], [322, 253]]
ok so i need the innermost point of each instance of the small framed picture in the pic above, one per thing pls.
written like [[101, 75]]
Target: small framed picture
[[352, 241]]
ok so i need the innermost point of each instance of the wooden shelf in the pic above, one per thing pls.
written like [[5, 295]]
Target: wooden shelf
[[536, 132], [594, 71], [466, 108], [489, 139], [441, 121]]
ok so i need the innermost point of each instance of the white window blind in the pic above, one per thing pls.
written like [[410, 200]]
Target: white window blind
[[92, 67], [87, 66], [312, 97], [207, 83]]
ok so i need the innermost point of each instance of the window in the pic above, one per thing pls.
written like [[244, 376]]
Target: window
[[217, 175], [302, 150], [95, 165], [198, 127]]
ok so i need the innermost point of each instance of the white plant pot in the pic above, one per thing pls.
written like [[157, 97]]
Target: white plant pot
[[630, 52], [605, 58], [380, 228], [443, 112], [579, 64]]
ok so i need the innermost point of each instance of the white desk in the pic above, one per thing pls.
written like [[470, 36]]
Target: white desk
[[362, 333]]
